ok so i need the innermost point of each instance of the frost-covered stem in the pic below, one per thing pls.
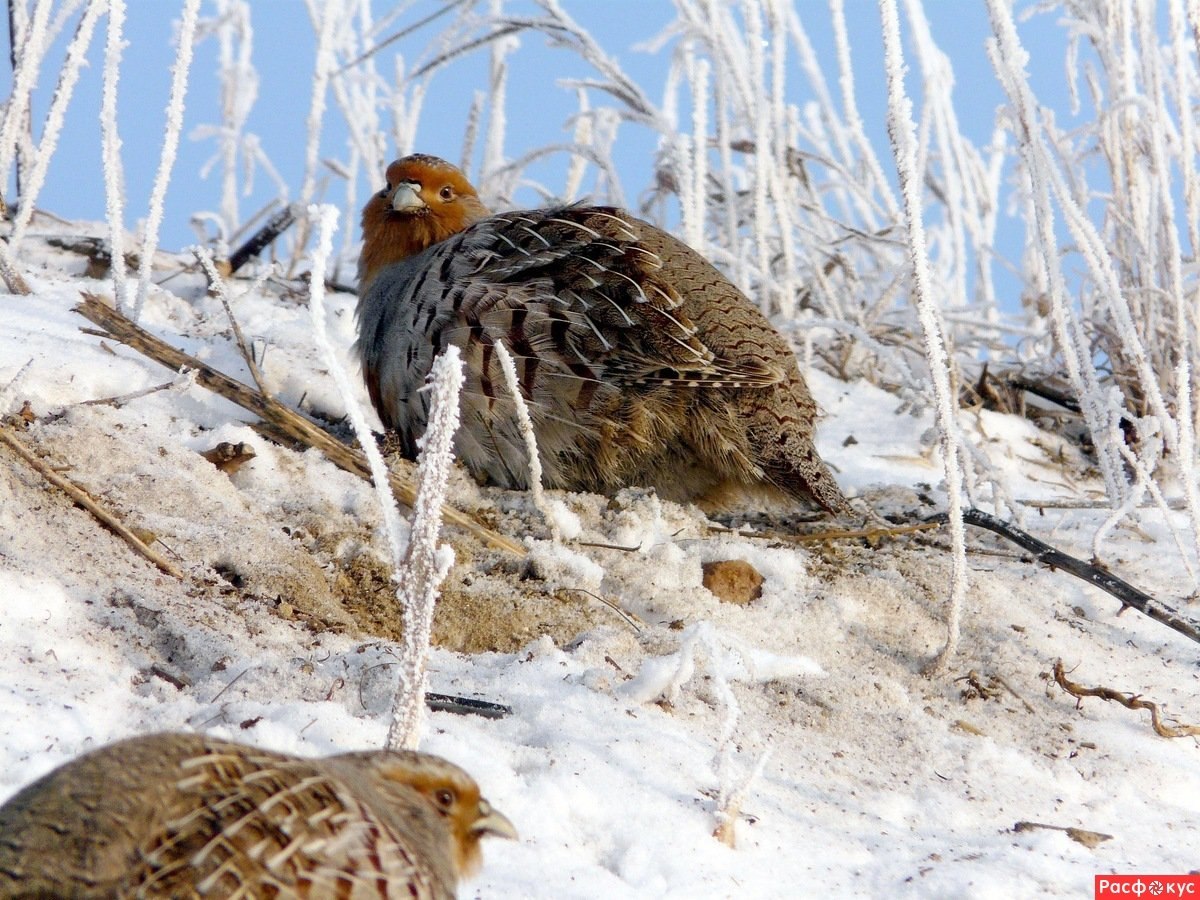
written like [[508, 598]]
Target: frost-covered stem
[[525, 424], [24, 78], [497, 121], [114, 173], [316, 109], [1143, 483], [471, 130], [850, 111], [166, 160], [731, 794], [728, 188], [1188, 461], [229, 75], [584, 137], [727, 799], [421, 568], [767, 296], [693, 168], [1181, 62], [326, 216], [331, 11], [67, 77], [699, 211], [1009, 58], [426, 564], [903, 140]]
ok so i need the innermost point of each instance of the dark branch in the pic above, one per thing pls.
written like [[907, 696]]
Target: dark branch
[[1093, 574]]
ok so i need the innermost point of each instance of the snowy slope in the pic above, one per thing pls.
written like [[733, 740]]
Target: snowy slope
[[879, 781]]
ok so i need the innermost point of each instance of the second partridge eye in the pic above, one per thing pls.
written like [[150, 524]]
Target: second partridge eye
[[444, 798], [446, 193]]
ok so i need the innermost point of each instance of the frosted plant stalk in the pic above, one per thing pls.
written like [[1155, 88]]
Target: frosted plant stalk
[[24, 78], [239, 82], [1189, 462], [525, 424], [583, 136], [1177, 26], [425, 563], [110, 140], [67, 78], [1143, 483], [900, 132], [326, 216], [1008, 59], [850, 111], [421, 567], [325, 63], [497, 121], [696, 213], [166, 160]]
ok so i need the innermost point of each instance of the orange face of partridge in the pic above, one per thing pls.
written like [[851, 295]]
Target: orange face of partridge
[[456, 798], [424, 201]]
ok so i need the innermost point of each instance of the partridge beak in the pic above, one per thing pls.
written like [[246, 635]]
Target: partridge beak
[[407, 197], [493, 821]]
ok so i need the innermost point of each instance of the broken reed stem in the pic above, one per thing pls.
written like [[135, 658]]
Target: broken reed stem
[[261, 239], [278, 417], [84, 499], [1129, 701], [8, 271]]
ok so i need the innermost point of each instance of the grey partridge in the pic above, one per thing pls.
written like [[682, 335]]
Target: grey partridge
[[179, 815], [640, 363]]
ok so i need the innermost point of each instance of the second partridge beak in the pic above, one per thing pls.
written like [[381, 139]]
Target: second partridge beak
[[407, 197]]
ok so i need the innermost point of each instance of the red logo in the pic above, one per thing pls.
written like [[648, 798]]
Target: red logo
[[1147, 887]]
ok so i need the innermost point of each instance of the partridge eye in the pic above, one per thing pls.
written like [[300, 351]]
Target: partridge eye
[[444, 798], [446, 193]]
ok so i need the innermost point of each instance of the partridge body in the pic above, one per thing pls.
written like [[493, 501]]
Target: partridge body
[[640, 363], [175, 815]]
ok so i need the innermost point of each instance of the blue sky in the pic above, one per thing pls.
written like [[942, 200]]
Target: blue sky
[[283, 55]]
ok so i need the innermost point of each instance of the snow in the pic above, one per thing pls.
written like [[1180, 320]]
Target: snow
[[879, 780]]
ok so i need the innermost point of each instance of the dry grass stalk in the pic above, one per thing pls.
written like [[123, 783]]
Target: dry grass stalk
[[88, 502]]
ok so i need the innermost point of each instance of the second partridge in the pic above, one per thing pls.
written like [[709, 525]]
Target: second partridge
[[641, 364]]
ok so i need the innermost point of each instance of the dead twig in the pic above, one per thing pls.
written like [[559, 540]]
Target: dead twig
[[217, 285], [84, 499], [871, 535], [118, 402], [630, 619], [1089, 839], [1129, 701], [1093, 574], [279, 417]]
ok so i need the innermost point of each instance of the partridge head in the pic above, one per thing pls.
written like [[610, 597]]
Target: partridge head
[[641, 364]]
